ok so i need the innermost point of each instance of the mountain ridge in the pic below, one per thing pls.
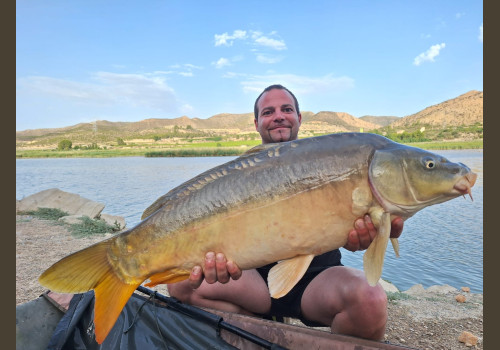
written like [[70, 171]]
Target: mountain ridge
[[464, 110]]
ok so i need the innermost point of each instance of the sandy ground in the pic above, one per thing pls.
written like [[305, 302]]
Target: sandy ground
[[425, 321]]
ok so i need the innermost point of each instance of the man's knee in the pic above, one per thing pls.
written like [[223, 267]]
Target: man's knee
[[373, 302]]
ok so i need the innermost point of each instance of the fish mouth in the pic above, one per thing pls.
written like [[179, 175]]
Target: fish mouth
[[464, 185]]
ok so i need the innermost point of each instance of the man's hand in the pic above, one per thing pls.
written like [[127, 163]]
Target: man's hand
[[364, 233], [216, 269]]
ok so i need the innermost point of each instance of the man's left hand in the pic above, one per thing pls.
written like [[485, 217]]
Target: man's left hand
[[364, 233]]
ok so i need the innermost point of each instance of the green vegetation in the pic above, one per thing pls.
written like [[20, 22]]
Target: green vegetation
[[201, 149], [198, 152], [46, 213], [394, 296], [64, 145], [449, 145], [89, 227], [404, 137]]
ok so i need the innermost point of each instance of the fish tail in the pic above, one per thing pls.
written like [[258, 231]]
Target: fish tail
[[90, 269]]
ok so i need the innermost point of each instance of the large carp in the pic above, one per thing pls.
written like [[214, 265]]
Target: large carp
[[282, 202]]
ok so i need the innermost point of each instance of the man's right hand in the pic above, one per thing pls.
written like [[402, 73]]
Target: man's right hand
[[216, 268]]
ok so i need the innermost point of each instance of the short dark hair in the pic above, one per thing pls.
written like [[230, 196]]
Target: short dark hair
[[271, 87]]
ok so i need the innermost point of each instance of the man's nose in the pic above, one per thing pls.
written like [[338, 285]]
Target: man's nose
[[278, 116]]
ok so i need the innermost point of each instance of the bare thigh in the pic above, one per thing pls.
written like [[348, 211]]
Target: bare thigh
[[249, 293]]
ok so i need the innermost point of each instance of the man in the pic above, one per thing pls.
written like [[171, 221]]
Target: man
[[329, 293]]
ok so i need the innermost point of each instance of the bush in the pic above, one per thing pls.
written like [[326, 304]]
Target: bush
[[64, 145], [47, 213], [120, 141], [92, 227]]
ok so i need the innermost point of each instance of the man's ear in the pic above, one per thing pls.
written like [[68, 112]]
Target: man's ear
[[256, 122], [300, 118]]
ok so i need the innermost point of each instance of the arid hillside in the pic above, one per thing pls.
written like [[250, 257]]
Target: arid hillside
[[462, 111], [466, 109]]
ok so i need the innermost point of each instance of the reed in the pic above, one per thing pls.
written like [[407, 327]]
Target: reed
[[197, 152]]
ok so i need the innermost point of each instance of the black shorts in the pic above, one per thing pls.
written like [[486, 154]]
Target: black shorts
[[289, 305]]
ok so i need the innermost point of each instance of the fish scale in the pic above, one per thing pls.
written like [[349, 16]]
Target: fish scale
[[283, 202]]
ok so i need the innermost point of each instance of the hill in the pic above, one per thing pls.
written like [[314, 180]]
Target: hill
[[466, 109], [455, 116], [379, 120]]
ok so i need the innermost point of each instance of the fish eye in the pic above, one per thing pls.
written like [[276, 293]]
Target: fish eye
[[429, 163]]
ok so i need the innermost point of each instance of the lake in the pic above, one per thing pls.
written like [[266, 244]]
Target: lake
[[442, 244]]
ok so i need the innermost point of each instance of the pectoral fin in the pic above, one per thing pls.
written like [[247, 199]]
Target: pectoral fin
[[373, 260], [395, 246], [284, 275]]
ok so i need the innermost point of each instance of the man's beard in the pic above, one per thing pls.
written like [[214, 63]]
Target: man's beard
[[280, 135]]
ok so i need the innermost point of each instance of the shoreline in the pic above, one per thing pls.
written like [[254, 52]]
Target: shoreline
[[429, 318], [199, 151]]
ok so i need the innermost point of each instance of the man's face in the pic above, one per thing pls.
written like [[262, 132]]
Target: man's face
[[278, 119]]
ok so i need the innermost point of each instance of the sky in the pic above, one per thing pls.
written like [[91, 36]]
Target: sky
[[81, 61]]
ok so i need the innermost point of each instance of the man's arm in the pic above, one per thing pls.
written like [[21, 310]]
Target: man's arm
[[217, 269]]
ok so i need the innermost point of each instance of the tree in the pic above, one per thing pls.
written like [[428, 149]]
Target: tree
[[64, 145]]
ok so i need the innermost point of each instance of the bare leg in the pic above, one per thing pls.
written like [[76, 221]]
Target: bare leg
[[247, 295], [342, 298]]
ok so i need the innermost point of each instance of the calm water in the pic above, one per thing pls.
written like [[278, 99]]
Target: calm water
[[442, 244]]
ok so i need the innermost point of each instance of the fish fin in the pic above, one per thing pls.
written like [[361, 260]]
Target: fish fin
[[259, 148], [285, 275], [78, 272], [89, 269], [155, 206], [395, 246], [111, 295], [170, 276], [373, 259]]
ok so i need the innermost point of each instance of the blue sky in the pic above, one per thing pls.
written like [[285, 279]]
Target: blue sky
[[81, 61]]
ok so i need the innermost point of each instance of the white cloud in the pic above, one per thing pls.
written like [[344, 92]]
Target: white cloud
[[429, 55], [227, 39], [134, 90], [258, 38], [221, 62], [459, 15], [302, 85], [261, 40], [269, 42], [480, 37], [261, 58]]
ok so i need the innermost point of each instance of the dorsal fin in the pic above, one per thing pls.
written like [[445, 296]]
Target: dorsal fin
[[259, 148]]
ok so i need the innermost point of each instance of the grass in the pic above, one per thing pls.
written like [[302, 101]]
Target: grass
[[449, 145], [187, 148], [395, 296], [201, 152], [87, 227], [46, 213]]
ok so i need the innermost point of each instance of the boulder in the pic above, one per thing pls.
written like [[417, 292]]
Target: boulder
[[388, 286], [444, 289], [460, 298], [417, 289], [112, 219], [71, 203], [468, 338]]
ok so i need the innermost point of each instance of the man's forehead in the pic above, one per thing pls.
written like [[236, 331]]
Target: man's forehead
[[276, 97]]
